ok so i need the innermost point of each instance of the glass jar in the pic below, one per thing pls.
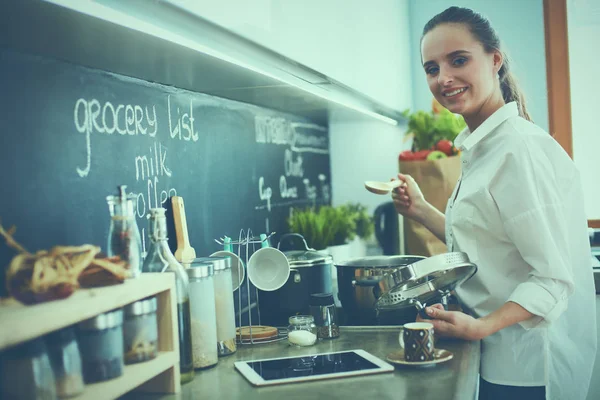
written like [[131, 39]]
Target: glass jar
[[101, 346], [161, 259], [224, 304], [27, 373], [66, 362], [124, 238], [204, 319], [322, 308], [140, 331], [302, 330]]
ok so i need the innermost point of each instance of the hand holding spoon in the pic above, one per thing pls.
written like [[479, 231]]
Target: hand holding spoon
[[383, 187]]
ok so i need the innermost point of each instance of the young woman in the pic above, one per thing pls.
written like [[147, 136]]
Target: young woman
[[517, 211]]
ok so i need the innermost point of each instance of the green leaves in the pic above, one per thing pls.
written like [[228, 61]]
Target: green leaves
[[429, 128], [331, 226]]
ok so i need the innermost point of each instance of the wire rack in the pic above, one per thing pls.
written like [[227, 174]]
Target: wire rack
[[247, 244]]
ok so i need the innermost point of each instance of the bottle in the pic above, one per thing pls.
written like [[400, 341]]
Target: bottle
[[322, 308], [161, 259], [124, 238]]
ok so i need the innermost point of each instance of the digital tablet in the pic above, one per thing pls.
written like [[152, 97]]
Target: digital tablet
[[312, 367]]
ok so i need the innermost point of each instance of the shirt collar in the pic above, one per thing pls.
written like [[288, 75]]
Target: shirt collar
[[466, 140]]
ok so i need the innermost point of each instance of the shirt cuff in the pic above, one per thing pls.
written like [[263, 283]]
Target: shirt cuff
[[540, 302]]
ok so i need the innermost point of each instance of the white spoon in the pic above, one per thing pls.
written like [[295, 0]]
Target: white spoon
[[382, 187]]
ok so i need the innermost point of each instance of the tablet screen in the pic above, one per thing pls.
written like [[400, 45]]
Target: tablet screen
[[314, 365]]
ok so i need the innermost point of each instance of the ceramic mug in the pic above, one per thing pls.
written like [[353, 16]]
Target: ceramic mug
[[416, 338], [268, 268]]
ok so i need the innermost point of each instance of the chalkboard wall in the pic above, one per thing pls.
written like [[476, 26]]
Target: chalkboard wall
[[70, 135]]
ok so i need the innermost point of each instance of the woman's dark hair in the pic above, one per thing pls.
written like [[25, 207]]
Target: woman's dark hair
[[482, 30]]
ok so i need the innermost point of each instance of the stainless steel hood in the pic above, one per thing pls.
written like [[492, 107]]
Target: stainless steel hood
[[158, 42]]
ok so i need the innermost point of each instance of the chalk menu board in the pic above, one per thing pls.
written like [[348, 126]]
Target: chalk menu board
[[71, 134]]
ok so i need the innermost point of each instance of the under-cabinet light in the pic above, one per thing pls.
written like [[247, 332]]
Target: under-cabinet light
[[97, 10]]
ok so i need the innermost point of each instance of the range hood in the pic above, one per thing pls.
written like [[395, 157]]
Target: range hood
[[159, 42]]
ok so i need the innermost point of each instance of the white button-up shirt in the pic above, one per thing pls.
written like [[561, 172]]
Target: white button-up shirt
[[517, 211]]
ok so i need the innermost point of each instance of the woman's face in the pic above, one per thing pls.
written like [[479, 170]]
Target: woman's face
[[460, 74]]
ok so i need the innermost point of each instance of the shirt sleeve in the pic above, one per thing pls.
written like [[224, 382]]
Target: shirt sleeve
[[532, 199], [545, 293]]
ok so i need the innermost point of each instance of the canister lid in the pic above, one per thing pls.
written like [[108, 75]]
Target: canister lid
[[200, 269], [321, 299], [100, 322], [221, 263], [140, 307]]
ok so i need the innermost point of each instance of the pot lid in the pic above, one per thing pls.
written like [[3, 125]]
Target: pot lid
[[438, 283], [379, 262], [307, 258]]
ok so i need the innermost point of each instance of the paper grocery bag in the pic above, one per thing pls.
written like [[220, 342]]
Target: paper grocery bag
[[437, 179]]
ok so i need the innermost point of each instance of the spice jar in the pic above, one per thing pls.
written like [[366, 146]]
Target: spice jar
[[101, 346], [322, 308], [140, 331], [224, 307], [202, 310], [27, 373], [124, 238], [161, 259], [302, 330], [66, 362]]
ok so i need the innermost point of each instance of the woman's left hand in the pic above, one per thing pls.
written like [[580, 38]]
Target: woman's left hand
[[454, 323]]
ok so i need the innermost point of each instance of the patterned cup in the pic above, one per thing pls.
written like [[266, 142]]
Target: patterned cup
[[416, 338]]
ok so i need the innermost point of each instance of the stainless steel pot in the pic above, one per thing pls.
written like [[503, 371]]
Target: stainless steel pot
[[358, 285], [310, 272]]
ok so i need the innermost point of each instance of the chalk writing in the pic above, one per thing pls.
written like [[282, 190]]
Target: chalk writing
[[91, 116], [184, 127]]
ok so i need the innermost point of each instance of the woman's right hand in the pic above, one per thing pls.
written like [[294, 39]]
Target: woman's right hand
[[408, 198]]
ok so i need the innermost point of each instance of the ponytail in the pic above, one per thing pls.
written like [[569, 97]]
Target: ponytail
[[510, 88]]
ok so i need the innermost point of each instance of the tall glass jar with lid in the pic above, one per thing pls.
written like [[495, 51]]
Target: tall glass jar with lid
[[161, 259], [204, 320], [224, 305]]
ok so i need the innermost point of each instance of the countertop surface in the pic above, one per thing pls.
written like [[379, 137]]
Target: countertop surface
[[454, 379]]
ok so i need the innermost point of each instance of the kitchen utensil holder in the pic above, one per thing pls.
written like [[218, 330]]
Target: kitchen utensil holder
[[247, 244]]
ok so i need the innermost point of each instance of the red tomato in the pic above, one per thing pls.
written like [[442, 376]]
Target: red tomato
[[445, 146], [406, 156]]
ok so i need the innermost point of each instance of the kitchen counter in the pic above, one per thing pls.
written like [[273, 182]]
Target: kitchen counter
[[451, 380]]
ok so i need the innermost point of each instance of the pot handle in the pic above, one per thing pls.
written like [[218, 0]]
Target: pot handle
[[365, 283], [287, 235]]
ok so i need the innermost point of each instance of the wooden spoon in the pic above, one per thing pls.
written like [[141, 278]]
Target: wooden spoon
[[185, 253], [382, 187]]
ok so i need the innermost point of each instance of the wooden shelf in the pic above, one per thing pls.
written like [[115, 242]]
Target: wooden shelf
[[19, 322], [133, 376]]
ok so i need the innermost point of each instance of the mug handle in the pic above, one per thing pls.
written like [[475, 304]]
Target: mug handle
[[401, 337]]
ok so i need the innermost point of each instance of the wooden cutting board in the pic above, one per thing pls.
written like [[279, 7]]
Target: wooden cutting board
[[259, 332], [185, 253]]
